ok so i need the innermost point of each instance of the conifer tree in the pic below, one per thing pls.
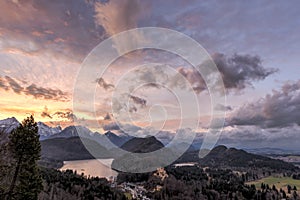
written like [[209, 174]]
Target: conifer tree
[[25, 148]]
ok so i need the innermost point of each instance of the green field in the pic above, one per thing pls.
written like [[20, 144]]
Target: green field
[[128, 195], [279, 182]]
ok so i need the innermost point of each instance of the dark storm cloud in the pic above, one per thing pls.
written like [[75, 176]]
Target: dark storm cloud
[[65, 115], [45, 93], [102, 83], [279, 109], [46, 113], [138, 100], [239, 71]]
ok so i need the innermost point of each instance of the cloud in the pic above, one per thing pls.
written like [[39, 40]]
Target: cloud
[[107, 117], [111, 127], [138, 100], [132, 109], [46, 113], [153, 85], [122, 103], [152, 77], [66, 115], [8, 83], [239, 71], [255, 137], [118, 16], [129, 129], [194, 78], [223, 108], [14, 85], [60, 27], [3, 84], [278, 109], [45, 93], [107, 86]]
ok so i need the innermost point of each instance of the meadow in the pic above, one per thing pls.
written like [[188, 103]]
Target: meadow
[[279, 182]]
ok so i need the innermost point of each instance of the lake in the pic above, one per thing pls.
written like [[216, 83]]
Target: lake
[[94, 167]]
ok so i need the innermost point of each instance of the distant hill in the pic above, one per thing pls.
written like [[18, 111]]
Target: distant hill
[[272, 151], [116, 139], [221, 156], [142, 145], [189, 156], [71, 149], [144, 161]]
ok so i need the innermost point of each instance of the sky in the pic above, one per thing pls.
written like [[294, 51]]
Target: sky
[[255, 45]]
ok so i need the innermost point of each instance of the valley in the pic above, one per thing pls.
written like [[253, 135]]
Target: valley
[[223, 173]]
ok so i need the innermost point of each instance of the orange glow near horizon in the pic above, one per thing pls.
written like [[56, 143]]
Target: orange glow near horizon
[[20, 106]]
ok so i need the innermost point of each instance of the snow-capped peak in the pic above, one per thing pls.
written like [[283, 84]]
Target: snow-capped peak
[[45, 131], [9, 124]]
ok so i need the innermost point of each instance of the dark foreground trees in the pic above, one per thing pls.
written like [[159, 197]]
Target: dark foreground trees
[[22, 179], [68, 185], [25, 150]]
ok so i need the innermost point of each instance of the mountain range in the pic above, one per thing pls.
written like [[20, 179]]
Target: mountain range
[[8, 125], [116, 140], [45, 131], [62, 145]]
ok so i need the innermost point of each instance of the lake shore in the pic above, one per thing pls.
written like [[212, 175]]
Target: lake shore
[[91, 167]]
